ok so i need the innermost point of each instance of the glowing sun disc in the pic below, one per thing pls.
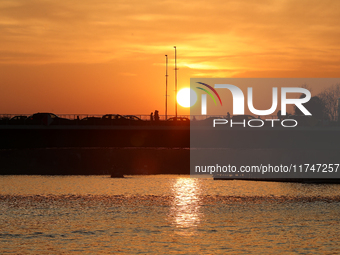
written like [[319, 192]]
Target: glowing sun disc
[[186, 97]]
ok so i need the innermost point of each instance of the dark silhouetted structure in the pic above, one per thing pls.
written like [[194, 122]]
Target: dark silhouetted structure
[[279, 116]]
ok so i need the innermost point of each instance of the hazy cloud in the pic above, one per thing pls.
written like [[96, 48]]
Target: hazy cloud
[[225, 35]]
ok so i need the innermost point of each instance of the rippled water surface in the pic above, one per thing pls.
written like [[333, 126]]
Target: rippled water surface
[[166, 215]]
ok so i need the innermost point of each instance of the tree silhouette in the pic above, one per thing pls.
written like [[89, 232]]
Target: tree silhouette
[[330, 98], [315, 106]]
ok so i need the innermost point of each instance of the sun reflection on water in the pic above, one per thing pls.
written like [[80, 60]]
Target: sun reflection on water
[[185, 210]]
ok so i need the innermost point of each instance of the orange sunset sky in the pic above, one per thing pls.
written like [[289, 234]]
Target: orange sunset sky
[[101, 57]]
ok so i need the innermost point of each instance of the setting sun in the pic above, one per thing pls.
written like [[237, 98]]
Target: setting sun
[[186, 97]]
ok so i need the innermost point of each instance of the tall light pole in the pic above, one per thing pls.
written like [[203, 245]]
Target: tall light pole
[[166, 87], [175, 82]]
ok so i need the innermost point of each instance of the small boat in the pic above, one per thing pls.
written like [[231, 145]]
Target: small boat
[[117, 175]]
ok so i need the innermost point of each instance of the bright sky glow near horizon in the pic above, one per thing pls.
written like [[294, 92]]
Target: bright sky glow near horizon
[[108, 56]]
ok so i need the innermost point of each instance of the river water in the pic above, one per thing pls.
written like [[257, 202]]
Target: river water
[[166, 214]]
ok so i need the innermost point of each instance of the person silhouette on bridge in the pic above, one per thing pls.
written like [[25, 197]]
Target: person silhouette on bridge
[[156, 116], [228, 116]]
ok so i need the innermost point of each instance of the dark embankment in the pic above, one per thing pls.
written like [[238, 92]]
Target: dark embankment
[[87, 161], [17, 137], [84, 150], [161, 149]]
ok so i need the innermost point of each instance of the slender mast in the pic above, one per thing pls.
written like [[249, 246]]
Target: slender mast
[[175, 82], [166, 87]]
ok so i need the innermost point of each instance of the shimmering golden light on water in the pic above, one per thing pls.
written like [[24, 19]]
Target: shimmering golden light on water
[[185, 210]]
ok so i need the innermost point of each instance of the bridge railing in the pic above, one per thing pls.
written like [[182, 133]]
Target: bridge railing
[[5, 119], [141, 116]]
